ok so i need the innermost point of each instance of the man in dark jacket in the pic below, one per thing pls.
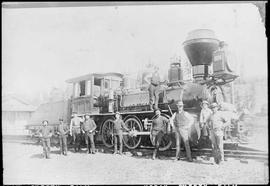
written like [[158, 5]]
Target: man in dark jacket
[[62, 131], [181, 122], [46, 133], [159, 126], [118, 127], [88, 128]]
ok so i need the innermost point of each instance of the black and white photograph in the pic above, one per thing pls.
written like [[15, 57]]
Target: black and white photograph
[[144, 92]]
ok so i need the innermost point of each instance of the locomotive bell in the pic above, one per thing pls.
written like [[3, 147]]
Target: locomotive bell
[[199, 47]]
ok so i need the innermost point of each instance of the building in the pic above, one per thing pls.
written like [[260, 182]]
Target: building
[[16, 114]]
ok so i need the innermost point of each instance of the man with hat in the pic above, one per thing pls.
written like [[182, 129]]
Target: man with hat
[[158, 130], [62, 131], [217, 123], [46, 133], [204, 118], [154, 89], [88, 128], [118, 127], [75, 131], [181, 122]]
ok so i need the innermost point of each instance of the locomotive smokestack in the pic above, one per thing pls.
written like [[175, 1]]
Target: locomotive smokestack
[[199, 47]]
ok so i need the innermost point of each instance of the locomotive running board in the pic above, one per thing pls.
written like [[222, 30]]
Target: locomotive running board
[[111, 114], [137, 133]]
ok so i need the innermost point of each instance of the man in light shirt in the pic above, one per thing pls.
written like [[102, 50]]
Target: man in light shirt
[[217, 123], [204, 119], [75, 131], [154, 89]]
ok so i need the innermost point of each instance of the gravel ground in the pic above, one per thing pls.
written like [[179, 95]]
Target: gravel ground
[[24, 164]]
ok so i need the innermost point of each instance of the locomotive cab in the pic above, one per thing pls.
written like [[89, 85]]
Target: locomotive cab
[[92, 93]]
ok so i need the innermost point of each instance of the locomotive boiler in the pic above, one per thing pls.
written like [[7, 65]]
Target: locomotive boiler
[[101, 95]]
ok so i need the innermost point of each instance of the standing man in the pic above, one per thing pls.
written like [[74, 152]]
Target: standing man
[[88, 128], [159, 126], [75, 131], [118, 127], [181, 122], [217, 124], [154, 89], [62, 131], [204, 119], [46, 133]]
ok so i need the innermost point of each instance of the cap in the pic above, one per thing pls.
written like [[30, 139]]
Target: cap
[[117, 113], [87, 114], [213, 105], [156, 109], [180, 103]]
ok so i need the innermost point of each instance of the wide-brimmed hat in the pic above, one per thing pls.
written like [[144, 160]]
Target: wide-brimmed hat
[[45, 121], [179, 103], [204, 102], [213, 105]]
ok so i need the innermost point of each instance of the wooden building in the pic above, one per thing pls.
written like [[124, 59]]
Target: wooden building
[[16, 114]]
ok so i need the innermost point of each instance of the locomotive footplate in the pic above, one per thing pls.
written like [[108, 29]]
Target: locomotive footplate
[[136, 133]]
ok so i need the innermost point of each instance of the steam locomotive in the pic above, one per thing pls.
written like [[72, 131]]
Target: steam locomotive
[[101, 95]]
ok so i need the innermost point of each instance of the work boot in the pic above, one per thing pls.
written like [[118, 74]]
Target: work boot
[[176, 159], [48, 156], [89, 151], [154, 154], [121, 151], [93, 151]]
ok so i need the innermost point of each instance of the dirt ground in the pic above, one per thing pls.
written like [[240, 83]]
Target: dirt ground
[[24, 164]]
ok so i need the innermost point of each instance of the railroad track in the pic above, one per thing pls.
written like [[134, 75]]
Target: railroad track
[[237, 152], [206, 152]]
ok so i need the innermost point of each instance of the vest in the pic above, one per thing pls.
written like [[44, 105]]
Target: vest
[[180, 120]]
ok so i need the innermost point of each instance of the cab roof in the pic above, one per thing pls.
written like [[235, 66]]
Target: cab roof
[[97, 75]]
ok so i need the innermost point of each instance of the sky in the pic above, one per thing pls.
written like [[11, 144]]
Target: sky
[[43, 47]]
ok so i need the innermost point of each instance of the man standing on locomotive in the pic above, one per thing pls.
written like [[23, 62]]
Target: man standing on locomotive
[[88, 128], [46, 133], [158, 130], [118, 127], [75, 131], [62, 131], [181, 122], [217, 123], [204, 118], [154, 89]]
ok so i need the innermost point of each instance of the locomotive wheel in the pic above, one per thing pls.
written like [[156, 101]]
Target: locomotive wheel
[[107, 133], [166, 141], [132, 142]]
